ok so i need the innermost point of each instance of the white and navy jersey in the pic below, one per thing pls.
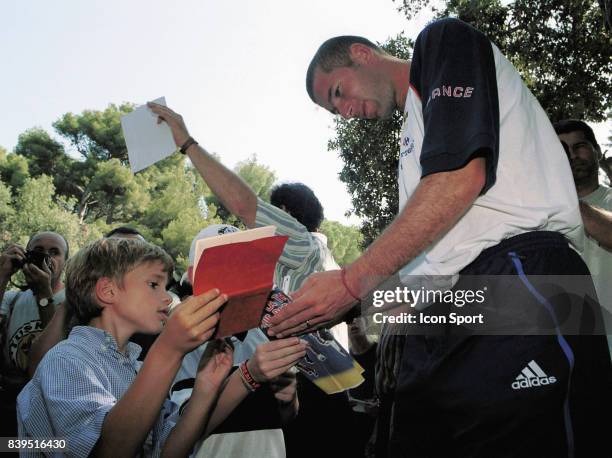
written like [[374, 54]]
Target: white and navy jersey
[[466, 100]]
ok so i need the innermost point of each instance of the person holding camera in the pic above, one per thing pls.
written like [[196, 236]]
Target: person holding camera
[[24, 314]]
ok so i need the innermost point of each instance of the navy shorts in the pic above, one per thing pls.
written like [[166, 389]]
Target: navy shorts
[[507, 395]]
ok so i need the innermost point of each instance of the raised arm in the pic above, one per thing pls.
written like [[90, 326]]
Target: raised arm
[[231, 190], [270, 360], [208, 383]]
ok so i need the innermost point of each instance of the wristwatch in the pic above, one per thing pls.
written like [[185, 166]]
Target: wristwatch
[[45, 301]]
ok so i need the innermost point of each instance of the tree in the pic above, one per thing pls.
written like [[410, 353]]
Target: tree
[[46, 155], [14, 169], [95, 133], [369, 153], [36, 211], [343, 241], [179, 233], [560, 47], [7, 213], [116, 193], [100, 182]]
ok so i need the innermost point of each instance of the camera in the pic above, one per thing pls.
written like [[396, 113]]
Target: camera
[[38, 258]]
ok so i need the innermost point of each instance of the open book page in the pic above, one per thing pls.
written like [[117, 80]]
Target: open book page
[[233, 237], [240, 265]]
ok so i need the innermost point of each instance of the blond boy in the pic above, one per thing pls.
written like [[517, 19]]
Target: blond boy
[[91, 391]]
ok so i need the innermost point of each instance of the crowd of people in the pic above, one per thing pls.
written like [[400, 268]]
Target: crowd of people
[[102, 347]]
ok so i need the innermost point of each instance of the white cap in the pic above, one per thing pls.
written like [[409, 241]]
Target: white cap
[[211, 231]]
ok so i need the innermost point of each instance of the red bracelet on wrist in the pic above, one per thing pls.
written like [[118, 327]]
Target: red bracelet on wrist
[[343, 275], [247, 378]]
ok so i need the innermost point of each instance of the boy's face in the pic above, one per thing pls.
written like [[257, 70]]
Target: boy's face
[[142, 303]]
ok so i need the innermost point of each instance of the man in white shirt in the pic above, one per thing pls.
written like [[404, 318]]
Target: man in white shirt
[[595, 207], [24, 314]]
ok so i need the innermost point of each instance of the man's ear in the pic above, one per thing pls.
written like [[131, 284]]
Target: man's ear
[[361, 54], [106, 291]]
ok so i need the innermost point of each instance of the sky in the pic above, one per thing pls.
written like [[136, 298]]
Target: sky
[[234, 70]]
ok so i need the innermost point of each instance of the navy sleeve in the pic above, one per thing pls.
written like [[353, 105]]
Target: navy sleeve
[[453, 70]]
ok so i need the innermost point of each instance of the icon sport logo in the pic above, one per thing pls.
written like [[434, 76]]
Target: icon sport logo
[[531, 376]]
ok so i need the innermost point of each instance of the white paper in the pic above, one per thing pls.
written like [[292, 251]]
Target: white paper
[[147, 142]]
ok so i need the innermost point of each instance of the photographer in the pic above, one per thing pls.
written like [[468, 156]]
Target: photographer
[[24, 314]]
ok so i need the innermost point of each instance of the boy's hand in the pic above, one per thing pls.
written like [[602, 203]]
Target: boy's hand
[[174, 121], [192, 322], [284, 387], [271, 359], [214, 366]]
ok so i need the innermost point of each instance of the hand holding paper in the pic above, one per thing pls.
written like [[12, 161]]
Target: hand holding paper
[[147, 141], [173, 120]]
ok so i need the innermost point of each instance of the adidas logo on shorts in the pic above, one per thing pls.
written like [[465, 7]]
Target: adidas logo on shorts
[[531, 376]]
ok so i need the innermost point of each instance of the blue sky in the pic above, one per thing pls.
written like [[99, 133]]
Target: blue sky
[[234, 70]]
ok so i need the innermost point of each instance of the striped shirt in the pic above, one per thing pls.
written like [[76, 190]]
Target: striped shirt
[[304, 252], [76, 384]]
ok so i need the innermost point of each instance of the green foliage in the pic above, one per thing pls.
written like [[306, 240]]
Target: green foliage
[[259, 177], [35, 211], [95, 133], [369, 151], [560, 47], [115, 193], [14, 170], [44, 154], [7, 213], [42, 187], [179, 233], [343, 241]]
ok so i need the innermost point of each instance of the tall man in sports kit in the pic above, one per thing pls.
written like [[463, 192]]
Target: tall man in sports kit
[[483, 191]]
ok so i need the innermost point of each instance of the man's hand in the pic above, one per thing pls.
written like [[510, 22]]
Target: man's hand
[[39, 280], [321, 299], [214, 367], [174, 121], [272, 359], [10, 261], [192, 322]]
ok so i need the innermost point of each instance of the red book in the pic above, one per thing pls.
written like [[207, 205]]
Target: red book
[[241, 265]]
